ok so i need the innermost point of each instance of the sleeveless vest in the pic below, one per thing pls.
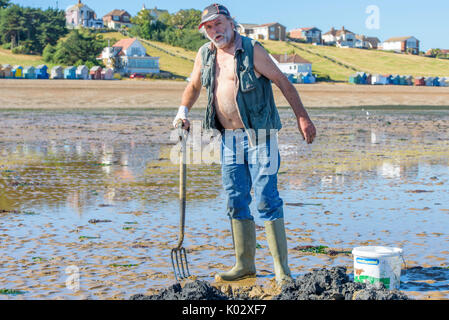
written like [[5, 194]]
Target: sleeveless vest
[[254, 98]]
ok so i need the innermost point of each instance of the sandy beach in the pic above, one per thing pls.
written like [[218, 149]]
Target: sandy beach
[[151, 94]]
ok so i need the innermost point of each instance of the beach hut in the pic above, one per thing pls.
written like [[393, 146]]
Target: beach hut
[[444, 82], [388, 78], [17, 71], [402, 81], [419, 81], [363, 77], [378, 79], [82, 73], [354, 79], [369, 78], [70, 73], [2, 74], [395, 79], [408, 80], [29, 72], [42, 72], [428, 81], [57, 72], [307, 77], [436, 82], [95, 73], [7, 71], [107, 74]]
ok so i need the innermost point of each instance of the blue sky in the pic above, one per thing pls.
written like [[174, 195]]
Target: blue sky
[[426, 20]]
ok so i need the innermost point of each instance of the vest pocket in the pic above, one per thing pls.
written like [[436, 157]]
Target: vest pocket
[[247, 80]]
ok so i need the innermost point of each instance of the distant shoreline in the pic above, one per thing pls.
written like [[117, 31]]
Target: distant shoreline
[[138, 94]]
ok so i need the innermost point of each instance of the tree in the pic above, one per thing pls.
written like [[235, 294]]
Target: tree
[[81, 46], [12, 24], [4, 4], [31, 28]]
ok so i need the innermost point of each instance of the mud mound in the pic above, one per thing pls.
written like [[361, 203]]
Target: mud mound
[[334, 284], [320, 284], [195, 290]]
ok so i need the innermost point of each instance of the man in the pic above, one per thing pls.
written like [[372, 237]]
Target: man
[[237, 73]]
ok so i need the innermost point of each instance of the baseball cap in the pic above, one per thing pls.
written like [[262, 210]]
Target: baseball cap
[[211, 13]]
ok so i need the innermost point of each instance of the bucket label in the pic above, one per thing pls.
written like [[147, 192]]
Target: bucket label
[[369, 261]]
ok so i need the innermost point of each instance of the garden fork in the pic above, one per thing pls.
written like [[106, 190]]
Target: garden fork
[[178, 254]]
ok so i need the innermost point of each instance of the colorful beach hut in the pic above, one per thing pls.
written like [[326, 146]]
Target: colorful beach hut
[[107, 74], [7, 71], [42, 72], [29, 72], [354, 79], [444, 82], [70, 73], [95, 73], [307, 77], [402, 81], [436, 82], [378, 79], [17, 71], [408, 80], [395, 79], [429, 81], [419, 81], [82, 73], [368, 79], [363, 76], [57, 72]]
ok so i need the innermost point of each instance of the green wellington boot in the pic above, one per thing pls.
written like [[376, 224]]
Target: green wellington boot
[[244, 233], [277, 242]]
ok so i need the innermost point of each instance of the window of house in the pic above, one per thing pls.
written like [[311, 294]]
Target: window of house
[[272, 29], [115, 18], [272, 36], [135, 51]]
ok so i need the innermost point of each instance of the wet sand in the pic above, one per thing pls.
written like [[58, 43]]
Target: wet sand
[[371, 178], [67, 94]]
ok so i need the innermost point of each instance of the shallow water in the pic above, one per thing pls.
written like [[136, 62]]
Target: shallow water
[[372, 177]]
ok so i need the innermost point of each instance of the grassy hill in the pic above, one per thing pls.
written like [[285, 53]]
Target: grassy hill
[[6, 57], [172, 59], [340, 63]]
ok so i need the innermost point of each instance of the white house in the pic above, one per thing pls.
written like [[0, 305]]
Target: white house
[[129, 56], [402, 44], [341, 38], [117, 19], [292, 63], [310, 35], [80, 15], [268, 31]]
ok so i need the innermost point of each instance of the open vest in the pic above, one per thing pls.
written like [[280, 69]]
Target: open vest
[[254, 97]]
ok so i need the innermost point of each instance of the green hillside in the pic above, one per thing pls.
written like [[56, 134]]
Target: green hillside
[[6, 57], [172, 59], [340, 63]]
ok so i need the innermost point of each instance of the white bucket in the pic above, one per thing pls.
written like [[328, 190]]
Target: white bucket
[[378, 264]]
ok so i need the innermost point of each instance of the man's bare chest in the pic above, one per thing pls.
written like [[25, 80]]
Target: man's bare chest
[[225, 67]]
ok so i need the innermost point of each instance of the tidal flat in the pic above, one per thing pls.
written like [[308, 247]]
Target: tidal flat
[[89, 200]]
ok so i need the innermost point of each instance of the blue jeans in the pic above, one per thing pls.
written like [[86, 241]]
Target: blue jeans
[[244, 166]]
